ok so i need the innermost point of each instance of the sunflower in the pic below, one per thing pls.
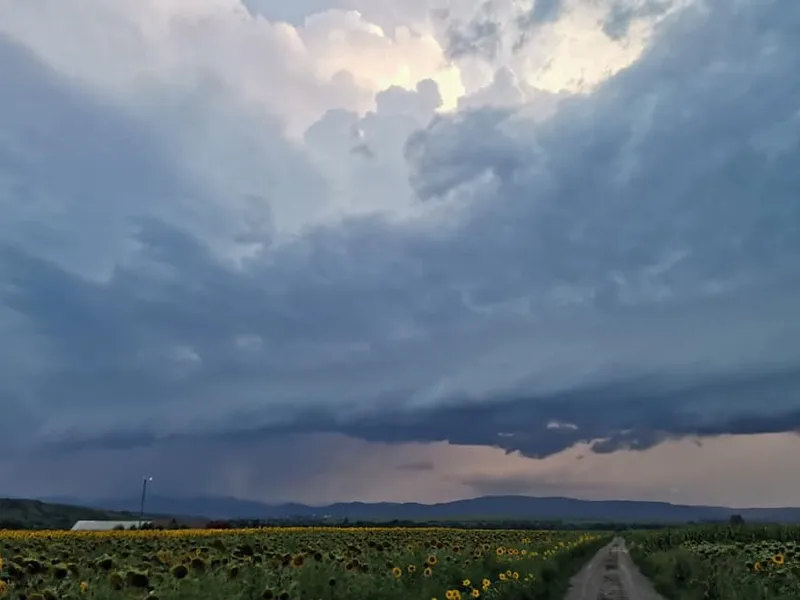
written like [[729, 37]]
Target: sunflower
[[179, 571], [116, 581], [778, 559], [397, 572], [427, 572]]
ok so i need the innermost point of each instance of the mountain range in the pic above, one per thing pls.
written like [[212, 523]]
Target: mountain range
[[485, 508]]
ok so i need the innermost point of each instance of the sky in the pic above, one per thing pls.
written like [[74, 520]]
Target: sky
[[401, 250]]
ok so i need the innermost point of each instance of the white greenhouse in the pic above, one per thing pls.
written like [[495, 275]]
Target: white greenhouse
[[107, 525]]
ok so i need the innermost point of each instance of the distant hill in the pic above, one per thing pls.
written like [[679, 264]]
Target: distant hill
[[34, 514], [485, 508]]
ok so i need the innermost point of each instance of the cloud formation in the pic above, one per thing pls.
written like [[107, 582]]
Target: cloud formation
[[200, 240], [756, 470]]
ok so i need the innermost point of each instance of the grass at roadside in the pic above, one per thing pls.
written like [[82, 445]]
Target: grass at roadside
[[721, 562], [555, 577]]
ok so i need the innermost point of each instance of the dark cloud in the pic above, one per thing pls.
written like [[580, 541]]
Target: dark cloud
[[629, 265], [631, 415], [628, 415], [245, 468]]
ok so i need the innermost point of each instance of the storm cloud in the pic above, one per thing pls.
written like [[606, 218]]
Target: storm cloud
[[178, 264]]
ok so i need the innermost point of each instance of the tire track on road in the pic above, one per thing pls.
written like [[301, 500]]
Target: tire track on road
[[611, 575]]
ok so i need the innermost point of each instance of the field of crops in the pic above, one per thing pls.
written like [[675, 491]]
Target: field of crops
[[298, 563], [721, 563]]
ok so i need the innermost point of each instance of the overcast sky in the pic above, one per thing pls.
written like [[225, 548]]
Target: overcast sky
[[401, 249]]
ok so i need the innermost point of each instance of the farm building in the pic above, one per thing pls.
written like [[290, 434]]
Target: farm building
[[106, 525]]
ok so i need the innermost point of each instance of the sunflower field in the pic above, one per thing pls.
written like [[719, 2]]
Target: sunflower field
[[740, 562], [291, 563]]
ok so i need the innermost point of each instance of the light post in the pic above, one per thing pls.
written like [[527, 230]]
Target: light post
[[144, 495]]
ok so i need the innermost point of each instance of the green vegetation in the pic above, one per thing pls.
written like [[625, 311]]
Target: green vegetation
[[317, 563], [33, 514], [733, 562], [460, 523]]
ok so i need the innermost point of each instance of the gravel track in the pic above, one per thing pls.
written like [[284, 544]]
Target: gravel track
[[611, 575]]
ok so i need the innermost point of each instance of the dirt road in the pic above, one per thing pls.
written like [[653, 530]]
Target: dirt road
[[611, 575]]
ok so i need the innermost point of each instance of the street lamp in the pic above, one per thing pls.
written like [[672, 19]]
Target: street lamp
[[144, 495]]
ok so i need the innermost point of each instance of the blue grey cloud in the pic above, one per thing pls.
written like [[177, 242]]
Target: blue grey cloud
[[481, 35], [622, 14], [290, 12], [542, 11], [629, 265]]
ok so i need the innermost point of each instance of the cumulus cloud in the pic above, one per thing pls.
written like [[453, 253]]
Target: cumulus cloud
[[189, 252], [570, 45]]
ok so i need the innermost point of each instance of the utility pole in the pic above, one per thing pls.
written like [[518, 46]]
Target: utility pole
[[144, 495]]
